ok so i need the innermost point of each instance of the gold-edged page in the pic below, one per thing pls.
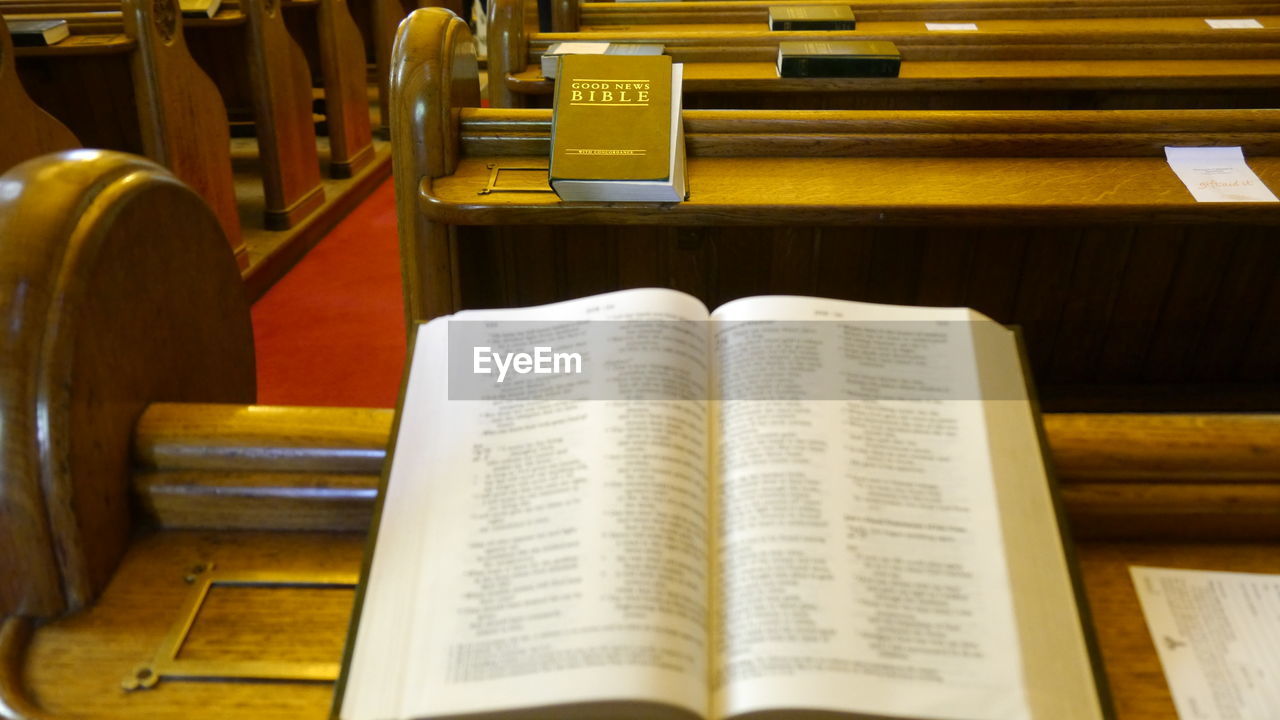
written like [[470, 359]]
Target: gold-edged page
[[537, 551], [1059, 669], [859, 562]]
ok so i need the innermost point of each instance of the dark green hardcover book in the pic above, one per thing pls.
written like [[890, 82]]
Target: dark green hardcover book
[[615, 129], [838, 59], [37, 33], [811, 17]]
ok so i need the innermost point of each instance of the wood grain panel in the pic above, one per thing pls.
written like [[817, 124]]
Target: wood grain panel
[[130, 312], [342, 57], [180, 114], [28, 130], [282, 95]]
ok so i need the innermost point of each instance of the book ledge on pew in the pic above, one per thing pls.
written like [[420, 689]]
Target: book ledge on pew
[[924, 168], [989, 75]]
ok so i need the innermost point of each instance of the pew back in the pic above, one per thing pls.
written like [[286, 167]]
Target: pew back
[[575, 16], [1069, 224], [1065, 64]]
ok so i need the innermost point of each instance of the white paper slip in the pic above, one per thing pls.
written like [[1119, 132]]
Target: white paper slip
[[1218, 638], [1217, 174], [1240, 24], [950, 27]]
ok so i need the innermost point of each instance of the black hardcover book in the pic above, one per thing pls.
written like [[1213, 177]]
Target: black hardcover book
[[37, 33], [838, 59], [811, 17]]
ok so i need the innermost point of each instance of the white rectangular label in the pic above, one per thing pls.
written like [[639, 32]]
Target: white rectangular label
[[1247, 23], [950, 27], [1217, 174], [1217, 635]]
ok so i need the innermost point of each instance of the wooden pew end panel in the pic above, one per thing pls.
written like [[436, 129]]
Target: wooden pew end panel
[[435, 74], [27, 129], [118, 289]]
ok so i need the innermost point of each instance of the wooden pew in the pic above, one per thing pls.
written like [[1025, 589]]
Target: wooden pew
[[378, 20], [1178, 63], [139, 90], [283, 495], [1069, 224], [276, 62], [577, 16], [28, 130], [329, 34], [261, 75]]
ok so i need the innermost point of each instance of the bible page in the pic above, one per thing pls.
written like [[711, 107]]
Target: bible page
[[859, 561], [544, 542]]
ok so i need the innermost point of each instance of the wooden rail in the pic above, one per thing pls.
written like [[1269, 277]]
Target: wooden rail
[[1122, 475]]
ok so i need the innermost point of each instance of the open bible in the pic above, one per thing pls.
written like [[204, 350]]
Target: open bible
[[786, 506]]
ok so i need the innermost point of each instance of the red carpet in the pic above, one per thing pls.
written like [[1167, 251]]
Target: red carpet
[[331, 332]]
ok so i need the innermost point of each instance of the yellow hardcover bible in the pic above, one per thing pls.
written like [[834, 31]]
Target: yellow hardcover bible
[[616, 131]]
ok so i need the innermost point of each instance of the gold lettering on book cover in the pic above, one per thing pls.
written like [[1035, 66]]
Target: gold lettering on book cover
[[589, 91]]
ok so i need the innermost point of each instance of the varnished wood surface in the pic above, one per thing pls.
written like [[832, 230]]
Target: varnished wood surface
[[335, 52], [434, 74], [828, 191], [1068, 224], [28, 130], [181, 119], [117, 288], [73, 667], [342, 57], [1067, 63], [1126, 475], [599, 15], [913, 32], [263, 438], [81, 45], [255, 64], [122, 101], [1084, 447], [1192, 77], [282, 82]]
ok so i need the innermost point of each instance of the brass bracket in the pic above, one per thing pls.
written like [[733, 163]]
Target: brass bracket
[[167, 665], [494, 172]]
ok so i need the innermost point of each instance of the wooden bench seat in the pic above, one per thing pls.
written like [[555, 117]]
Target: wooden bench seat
[[1069, 224], [180, 478]]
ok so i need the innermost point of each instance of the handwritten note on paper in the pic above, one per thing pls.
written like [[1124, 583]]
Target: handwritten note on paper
[[1217, 174], [1234, 24], [949, 27], [1218, 638]]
